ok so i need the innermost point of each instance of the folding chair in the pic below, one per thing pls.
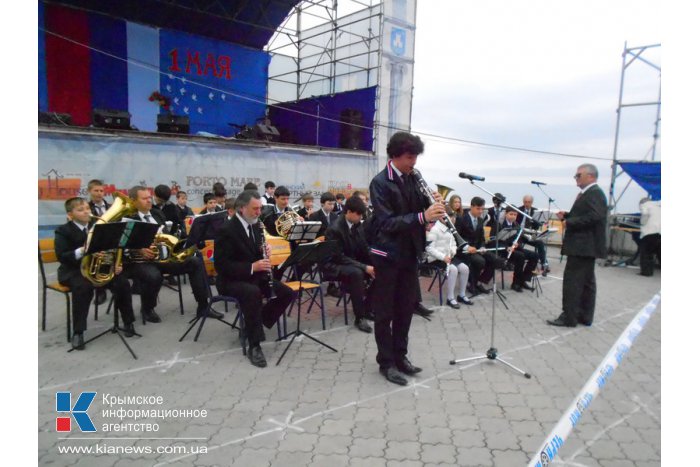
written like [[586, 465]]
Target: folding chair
[[47, 255]]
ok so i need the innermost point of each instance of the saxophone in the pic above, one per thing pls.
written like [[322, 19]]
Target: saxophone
[[99, 268]]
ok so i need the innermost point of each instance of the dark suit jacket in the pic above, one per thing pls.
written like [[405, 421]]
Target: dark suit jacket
[[465, 229], [493, 218], [529, 224], [396, 231], [353, 250], [68, 238], [234, 254], [170, 211], [586, 224], [319, 216], [93, 209]]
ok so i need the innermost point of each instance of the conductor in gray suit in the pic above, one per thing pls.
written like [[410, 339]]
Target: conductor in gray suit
[[584, 241]]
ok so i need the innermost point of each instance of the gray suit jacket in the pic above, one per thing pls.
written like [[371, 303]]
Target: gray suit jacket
[[586, 226]]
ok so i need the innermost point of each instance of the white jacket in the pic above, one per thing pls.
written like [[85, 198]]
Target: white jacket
[[440, 243]]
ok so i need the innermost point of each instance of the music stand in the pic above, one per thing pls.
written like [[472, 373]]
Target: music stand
[[306, 254], [117, 236], [205, 227], [492, 352]]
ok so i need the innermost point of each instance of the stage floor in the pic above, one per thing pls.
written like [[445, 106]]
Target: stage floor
[[323, 408]]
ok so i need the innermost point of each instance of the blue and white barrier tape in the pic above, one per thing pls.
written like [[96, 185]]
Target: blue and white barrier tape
[[556, 438]]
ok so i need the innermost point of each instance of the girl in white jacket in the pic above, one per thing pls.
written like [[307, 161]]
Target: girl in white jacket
[[441, 248]]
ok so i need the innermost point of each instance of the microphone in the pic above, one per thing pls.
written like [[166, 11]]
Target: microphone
[[471, 177], [537, 183]]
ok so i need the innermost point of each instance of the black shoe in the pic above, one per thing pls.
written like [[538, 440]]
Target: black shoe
[[256, 357], [369, 316], [150, 316], [100, 296], [585, 323], [526, 286], [471, 290], [171, 281], [393, 375], [202, 309], [362, 325], [453, 303], [646, 274], [78, 342], [481, 289], [422, 310], [516, 287], [129, 330], [545, 270], [560, 322], [405, 366], [464, 300]]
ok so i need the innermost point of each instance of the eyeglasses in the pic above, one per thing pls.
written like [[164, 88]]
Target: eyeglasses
[[577, 176]]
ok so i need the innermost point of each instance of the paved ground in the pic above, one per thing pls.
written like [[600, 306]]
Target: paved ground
[[328, 409]]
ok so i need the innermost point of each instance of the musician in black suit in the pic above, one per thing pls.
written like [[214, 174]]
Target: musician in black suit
[[539, 245], [584, 241], [308, 200], [96, 190], [70, 248], [98, 206], [339, 203], [269, 195], [471, 228], [210, 204], [243, 273], [281, 205], [150, 273], [351, 265], [396, 235], [326, 216], [524, 261], [161, 195], [183, 210], [496, 212]]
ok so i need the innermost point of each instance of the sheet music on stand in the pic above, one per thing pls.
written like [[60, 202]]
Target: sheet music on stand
[[126, 235], [505, 235], [304, 231], [205, 227], [542, 216]]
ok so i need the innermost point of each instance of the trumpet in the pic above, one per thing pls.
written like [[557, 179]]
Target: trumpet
[[263, 249], [429, 193]]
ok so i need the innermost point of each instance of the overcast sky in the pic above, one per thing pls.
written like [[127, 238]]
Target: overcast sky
[[537, 74]]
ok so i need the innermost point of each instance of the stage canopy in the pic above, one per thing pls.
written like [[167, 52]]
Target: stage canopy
[[239, 21], [646, 174]]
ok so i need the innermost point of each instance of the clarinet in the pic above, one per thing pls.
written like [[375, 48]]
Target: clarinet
[[428, 192], [263, 250]]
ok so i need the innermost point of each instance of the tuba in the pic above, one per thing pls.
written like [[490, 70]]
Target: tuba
[[285, 221], [167, 248], [99, 268]]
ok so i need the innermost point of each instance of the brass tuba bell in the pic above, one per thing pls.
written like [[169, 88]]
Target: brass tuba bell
[[99, 268], [444, 190]]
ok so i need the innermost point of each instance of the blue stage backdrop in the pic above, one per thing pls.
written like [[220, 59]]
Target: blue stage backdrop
[[647, 175], [88, 60], [297, 121]]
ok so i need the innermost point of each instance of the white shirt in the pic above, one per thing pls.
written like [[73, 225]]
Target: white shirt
[[650, 223], [79, 253], [587, 187], [397, 171]]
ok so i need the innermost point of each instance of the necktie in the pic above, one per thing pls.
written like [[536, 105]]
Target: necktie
[[85, 230], [100, 211], [148, 218], [251, 236], [579, 195], [474, 223]]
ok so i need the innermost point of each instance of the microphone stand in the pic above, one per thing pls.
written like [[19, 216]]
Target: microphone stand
[[492, 352], [550, 201]]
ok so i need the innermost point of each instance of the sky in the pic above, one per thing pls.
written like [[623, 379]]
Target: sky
[[541, 75]]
